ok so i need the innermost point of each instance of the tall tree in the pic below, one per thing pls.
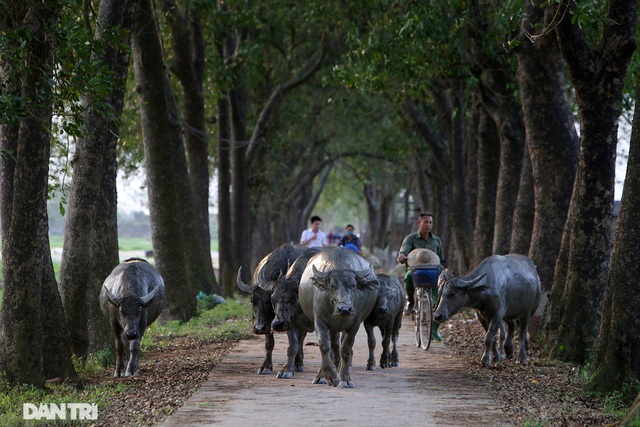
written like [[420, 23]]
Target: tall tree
[[523, 214], [170, 203], [495, 70], [91, 236], [488, 157], [291, 53], [552, 138], [34, 343], [597, 74], [225, 251], [618, 340], [188, 65]]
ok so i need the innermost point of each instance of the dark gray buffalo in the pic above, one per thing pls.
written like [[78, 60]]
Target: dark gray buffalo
[[131, 298], [270, 268], [338, 290], [289, 316], [387, 316], [502, 288]]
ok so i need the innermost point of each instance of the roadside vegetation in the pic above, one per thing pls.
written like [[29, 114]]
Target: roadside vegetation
[[216, 324]]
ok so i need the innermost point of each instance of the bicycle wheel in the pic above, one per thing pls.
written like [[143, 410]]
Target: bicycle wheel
[[425, 316], [415, 317]]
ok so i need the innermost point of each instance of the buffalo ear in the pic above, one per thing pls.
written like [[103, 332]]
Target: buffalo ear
[[320, 279], [368, 284], [320, 282]]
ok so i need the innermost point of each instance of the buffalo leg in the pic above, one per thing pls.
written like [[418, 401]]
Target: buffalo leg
[[288, 369], [490, 340], [267, 365], [335, 348], [132, 368], [508, 345], [371, 342], [302, 334], [498, 352], [523, 357], [119, 356], [346, 347], [395, 361], [328, 374], [386, 339]]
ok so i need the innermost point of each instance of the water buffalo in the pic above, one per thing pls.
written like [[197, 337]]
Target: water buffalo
[[270, 268], [131, 298], [387, 316], [338, 290], [289, 316], [502, 288]]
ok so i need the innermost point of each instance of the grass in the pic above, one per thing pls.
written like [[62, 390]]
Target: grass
[[124, 243], [226, 322]]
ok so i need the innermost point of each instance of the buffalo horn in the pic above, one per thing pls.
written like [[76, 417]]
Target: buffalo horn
[[362, 274], [243, 286], [466, 284], [111, 297], [148, 297]]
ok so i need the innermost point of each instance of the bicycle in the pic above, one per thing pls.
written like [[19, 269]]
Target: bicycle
[[425, 277]]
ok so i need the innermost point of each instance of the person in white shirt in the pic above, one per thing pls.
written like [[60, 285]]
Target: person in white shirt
[[313, 237]]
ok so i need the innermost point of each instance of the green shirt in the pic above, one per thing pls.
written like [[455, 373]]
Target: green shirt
[[416, 241]]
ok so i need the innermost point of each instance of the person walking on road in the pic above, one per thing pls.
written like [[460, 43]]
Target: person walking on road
[[350, 240], [313, 237], [425, 239]]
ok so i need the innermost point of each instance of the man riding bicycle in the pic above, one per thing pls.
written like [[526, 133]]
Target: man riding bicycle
[[425, 239]]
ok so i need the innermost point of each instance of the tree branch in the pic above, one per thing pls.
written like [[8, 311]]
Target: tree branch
[[305, 74]]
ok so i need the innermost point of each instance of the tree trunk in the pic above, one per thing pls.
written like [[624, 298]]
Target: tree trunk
[[448, 179], [459, 221], [225, 240], [240, 172], [165, 166], [618, 343], [496, 80], [34, 342], [188, 66], [598, 76], [488, 169], [472, 155], [553, 144], [523, 214], [91, 235], [631, 419]]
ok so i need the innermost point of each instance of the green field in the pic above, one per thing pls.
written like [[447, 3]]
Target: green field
[[125, 243]]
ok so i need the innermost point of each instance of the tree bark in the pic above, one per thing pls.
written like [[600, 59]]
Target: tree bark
[[553, 143], [598, 76], [615, 361], [488, 170], [91, 235], [225, 240], [523, 214], [165, 166], [240, 171], [188, 66], [34, 343]]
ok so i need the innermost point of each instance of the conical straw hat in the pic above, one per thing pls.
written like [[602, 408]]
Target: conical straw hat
[[423, 257]]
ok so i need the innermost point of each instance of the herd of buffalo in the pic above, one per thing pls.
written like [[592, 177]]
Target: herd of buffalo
[[333, 291]]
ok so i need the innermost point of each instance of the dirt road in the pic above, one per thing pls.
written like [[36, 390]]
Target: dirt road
[[429, 388]]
